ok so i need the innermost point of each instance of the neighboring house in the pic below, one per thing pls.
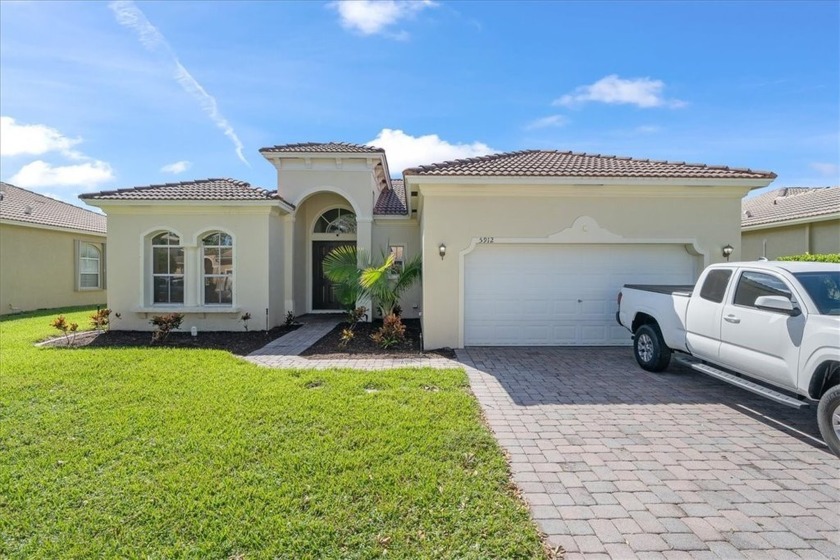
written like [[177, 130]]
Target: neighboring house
[[52, 254], [791, 221], [522, 248]]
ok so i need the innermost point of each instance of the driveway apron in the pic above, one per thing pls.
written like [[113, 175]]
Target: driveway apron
[[618, 462]]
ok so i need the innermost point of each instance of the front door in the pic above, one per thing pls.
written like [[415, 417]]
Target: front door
[[323, 291]]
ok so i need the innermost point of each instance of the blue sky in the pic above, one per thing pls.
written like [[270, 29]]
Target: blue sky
[[97, 96]]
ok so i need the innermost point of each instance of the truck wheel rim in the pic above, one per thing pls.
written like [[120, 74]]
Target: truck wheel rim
[[645, 350]]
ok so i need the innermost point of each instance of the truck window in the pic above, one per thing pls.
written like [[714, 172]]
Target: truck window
[[714, 286], [753, 285]]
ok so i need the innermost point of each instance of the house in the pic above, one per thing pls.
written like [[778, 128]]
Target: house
[[791, 221], [519, 248], [52, 254]]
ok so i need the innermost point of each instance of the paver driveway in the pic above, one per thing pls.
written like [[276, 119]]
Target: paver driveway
[[617, 461]]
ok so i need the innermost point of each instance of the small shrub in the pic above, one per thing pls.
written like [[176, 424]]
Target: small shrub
[[165, 324], [101, 319], [245, 318], [347, 336], [390, 333], [290, 318], [67, 329], [356, 315], [807, 257]]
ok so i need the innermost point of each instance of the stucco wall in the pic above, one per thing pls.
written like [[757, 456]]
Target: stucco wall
[[37, 269], [456, 216], [354, 182], [816, 237], [129, 275]]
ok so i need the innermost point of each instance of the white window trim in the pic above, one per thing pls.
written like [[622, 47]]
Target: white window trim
[[100, 280]]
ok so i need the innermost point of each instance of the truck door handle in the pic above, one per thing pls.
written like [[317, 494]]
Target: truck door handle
[[732, 319]]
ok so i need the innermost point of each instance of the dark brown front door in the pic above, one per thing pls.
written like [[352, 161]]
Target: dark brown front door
[[323, 291]]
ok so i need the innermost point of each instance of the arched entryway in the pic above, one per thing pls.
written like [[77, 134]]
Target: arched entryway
[[334, 227]]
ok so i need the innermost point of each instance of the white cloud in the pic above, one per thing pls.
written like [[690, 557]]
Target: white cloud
[[177, 167], [404, 151], [826, 169], [551, 121], [32, 139], [370, 17], [642, 92], [42, 174], [130, 16]]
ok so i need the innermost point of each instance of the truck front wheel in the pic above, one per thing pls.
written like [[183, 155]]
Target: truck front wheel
[[650, 349], [828, 418]]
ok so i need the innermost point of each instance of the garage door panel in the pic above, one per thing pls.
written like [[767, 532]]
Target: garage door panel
[[560, 294]]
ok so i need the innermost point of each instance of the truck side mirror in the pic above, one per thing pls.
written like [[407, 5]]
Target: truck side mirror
[[778, 304]]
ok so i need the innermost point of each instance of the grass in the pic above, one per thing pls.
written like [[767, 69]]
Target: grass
[[174, 453]]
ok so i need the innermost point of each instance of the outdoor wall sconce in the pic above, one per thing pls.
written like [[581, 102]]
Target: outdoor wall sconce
[[727, 251], [442, 251]]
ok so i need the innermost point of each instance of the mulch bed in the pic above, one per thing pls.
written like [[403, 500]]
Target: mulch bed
[[239, 343], [363, 347]]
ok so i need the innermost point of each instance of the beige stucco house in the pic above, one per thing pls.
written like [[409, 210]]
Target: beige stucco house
[[521, 248], [791, 221], [52, 254]]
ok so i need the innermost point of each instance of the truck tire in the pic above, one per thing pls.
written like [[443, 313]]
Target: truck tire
[[650, 349], [828, 418]]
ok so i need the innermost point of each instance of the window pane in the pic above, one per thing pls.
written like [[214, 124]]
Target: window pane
[[218, 289], [226, 240], [89, 251], [89, 266], [212, 239], [161, 289], [714, 287], [166, 238], [89, 281], [160, 260], [753, 285], [226, 261], [176, 260], [176, 290]]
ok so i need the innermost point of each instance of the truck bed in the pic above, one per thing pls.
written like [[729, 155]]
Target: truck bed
[[675, 290]]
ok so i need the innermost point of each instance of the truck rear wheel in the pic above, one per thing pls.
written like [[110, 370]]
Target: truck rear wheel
[[649, 348], [828, 418]]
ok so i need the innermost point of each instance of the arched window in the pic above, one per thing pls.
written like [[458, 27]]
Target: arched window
[[218, 268], [90, 263], [337, 220], [167, 268]]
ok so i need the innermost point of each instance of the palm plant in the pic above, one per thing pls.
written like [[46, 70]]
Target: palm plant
[[345, 267]]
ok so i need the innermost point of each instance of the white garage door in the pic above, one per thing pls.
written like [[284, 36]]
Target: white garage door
[[538, 295]]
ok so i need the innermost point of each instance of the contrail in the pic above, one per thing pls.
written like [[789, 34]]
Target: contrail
[[130, 16]]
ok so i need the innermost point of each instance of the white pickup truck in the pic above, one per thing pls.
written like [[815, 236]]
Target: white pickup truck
[[777, 323]]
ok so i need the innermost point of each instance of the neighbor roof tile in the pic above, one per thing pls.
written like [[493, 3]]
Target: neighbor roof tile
[[552, 163], [203, 189], [790, 203], [21, 205], [323, 147], [392, 201]]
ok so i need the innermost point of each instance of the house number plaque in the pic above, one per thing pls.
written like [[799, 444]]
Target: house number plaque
[[485, 240]]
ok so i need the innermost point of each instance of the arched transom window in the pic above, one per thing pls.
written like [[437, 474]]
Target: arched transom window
[[218, 268], [337, 220], [167, 268]]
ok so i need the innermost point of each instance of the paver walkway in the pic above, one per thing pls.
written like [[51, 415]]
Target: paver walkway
[[617, 462], [284, 351]]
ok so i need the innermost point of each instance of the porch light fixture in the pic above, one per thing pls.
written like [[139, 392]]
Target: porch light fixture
[[442, 251], [727, 251]]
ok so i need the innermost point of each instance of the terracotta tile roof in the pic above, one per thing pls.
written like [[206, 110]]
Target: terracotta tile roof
[[21, 205], [790, 203], [202, 189], [323, 148], [392, 201], [551, 163]]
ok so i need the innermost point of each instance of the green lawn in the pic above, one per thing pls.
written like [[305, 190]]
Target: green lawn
[[171, 453]]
